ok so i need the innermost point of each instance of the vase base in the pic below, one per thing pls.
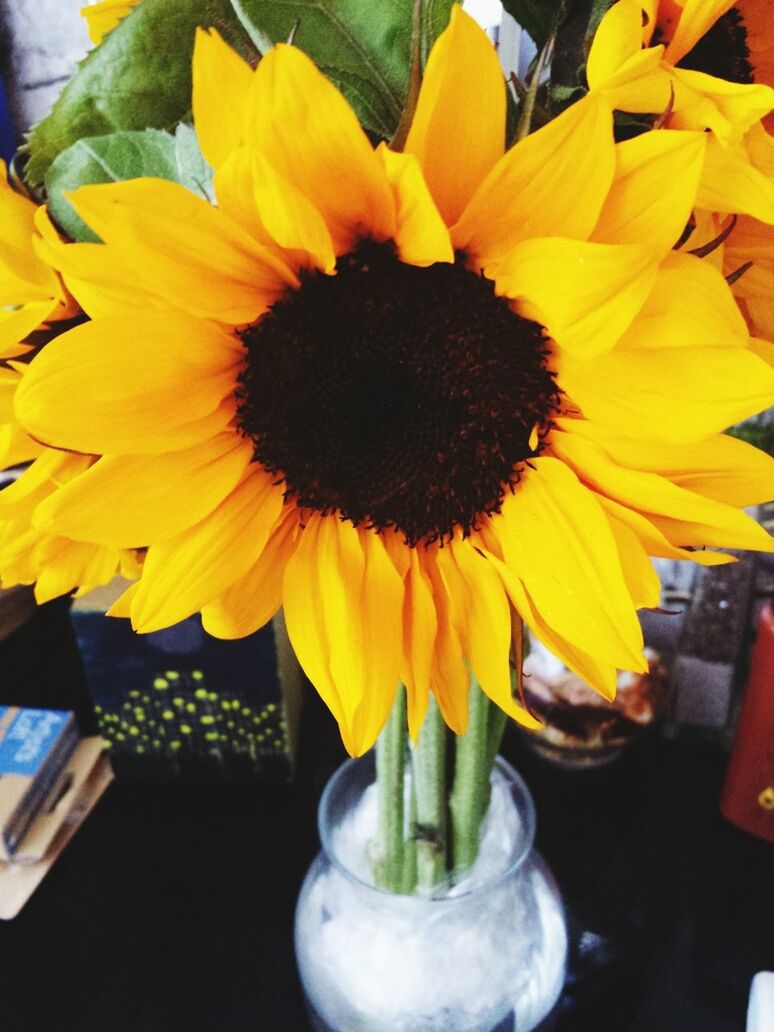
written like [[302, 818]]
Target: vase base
[[319, 1024]]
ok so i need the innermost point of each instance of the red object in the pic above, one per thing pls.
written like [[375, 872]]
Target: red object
[[748, 792]]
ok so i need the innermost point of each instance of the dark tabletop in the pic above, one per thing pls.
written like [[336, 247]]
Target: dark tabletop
[[172, 909]]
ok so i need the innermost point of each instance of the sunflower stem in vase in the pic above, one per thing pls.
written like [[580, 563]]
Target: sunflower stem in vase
[[430, 830], [390, 768], [470, 791]]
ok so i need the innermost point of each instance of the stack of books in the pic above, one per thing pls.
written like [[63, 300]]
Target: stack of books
[[49, 781]]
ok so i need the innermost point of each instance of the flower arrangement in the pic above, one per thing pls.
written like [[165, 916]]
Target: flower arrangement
[[306, 306]]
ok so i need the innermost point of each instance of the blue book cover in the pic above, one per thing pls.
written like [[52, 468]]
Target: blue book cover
[[35, 745]]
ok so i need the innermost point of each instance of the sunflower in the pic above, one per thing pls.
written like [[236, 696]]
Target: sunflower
[[36, 302], [709, 64], [386, 390], [31, 292], [104, 16]]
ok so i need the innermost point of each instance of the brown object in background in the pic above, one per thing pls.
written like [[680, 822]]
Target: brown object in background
[[748, 793]]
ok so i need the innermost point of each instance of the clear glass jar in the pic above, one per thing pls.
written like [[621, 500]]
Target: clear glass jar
[[488, 954]]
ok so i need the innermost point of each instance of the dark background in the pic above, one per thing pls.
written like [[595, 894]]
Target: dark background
[[172, 909]]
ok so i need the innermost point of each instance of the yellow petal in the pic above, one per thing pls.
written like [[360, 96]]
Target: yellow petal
[[586, 295], [653, 193], [552, 182], [690, 305], [221, 80], [458, 130], [684, 517], [729, 109], [696, 18], [343, 603], [720, 467], [618, 37], [556, 538], [449, 675], [189, 570], [65, 565], [183, 248], [133, 500], [483, 619], [291, 220], [15, 326], [144, 381], [639, 573], [653, 540], [600, 675], [305, 607], [306, 130], [675, 394], [102, 17], [254, 599], [730, 183], [421, 235]]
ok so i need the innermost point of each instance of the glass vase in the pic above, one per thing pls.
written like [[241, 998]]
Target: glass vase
[[484, 955]]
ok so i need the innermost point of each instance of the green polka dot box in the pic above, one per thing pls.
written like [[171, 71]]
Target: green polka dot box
[[180, 705]]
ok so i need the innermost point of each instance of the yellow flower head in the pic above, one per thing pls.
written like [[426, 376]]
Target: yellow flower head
[[404, 395], [33, 298], [710, 64]]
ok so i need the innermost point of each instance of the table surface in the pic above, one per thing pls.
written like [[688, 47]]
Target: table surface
[[172, 909]]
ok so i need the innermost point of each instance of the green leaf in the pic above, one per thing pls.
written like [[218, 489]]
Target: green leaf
[[138, 78], [120, 156], [537, 17], [364, 48]]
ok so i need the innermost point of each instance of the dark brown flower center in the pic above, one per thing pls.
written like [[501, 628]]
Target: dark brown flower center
[[722, 51], [398, 396]]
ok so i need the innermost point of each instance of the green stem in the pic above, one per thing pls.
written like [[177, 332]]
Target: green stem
[[390, 766], [428, 761], [470, 791]]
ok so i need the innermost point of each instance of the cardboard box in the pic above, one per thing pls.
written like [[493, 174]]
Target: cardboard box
[[181, 705]]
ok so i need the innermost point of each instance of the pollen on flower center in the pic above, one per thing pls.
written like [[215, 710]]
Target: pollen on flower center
[[398, 396], [722, 51]]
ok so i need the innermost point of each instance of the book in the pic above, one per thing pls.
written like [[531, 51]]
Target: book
[[35, 745]]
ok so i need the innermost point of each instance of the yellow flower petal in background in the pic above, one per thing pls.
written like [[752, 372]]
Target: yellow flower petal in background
[[732, 183], [104, 16], [187, 571], [696, 16], [144, 381], [630, 79], [653, 193], [551, 183], [586, 295], [306, 130], [458, 129], [219, 76], [421, 235]]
